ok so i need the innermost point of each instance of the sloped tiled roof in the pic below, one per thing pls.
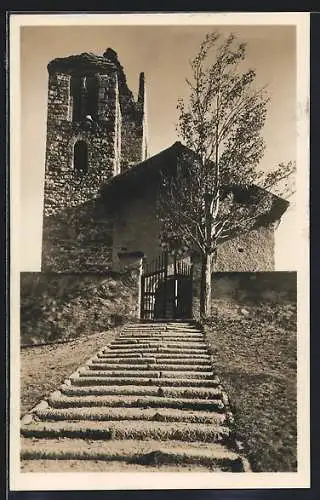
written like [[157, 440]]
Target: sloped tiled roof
[[148, 169], [138, 178]]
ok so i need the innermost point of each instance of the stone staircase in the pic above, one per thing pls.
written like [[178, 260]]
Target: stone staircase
[[150, 399]]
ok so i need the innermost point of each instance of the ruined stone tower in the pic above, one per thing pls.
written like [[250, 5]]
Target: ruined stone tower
[[95, 130]]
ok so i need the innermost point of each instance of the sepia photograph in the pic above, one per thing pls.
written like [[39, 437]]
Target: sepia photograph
[[160, 234]]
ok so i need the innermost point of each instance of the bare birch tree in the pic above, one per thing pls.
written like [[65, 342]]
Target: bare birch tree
[[221, 123]]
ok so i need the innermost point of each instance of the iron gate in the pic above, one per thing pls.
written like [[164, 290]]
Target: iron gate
[[166, 289]]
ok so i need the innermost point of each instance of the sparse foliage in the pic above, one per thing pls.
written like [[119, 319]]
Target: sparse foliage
[[217, 189]]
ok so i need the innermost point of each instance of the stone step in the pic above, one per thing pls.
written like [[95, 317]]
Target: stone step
[[149, 399], [148, 331], [157, 343], [148, 453], [160, 324], [167, 392], [158, 337], [183, 331], [160, 349], [182, 324], [58, 400], [186, 322], [152, 365], [187, 330], [183, 328], [182, 431], [158, 355], [155, 359], [179, 334], [132, 414], [152, 373], [103, 377]]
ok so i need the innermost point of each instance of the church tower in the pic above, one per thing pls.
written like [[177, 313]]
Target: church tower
[[95, 130]]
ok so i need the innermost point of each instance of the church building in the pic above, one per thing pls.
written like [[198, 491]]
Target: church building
[[100, 184], [97, 150]]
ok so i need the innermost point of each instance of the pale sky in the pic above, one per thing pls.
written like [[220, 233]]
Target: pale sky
[[163, 53]]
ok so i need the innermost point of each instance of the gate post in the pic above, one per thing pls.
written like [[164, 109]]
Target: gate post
[[191, 289], [132, 262], [141, 297], [165, 284], [175, 289]]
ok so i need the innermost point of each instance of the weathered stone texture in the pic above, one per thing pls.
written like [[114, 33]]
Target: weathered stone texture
[[136, 228], [132, 144], [64, 186], [64, 306], [78, 239], [232, 289], [133, 115], [274, 286], [59, 97], [72, 236], [79, 232], [71, 208], [252, 251]]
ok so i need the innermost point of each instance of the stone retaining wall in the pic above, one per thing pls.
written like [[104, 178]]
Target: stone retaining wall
[[57, 307]]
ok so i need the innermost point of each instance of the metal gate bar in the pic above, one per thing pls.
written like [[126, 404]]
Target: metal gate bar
[[166, 290]]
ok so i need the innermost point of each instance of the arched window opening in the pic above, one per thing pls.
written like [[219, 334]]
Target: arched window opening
[[91, 96], [84, 91], [80, 158]]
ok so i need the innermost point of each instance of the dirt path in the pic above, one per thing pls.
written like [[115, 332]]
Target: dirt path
[[102, 466], [44, 368]]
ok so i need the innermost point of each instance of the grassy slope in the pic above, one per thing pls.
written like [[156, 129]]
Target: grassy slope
[[44, 368], [255, 356], [63, 307]]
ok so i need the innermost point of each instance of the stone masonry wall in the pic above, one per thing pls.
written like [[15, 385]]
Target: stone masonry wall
[[272, 286], [78, 239], [76, 232], [229, 290], [63, 187], [136, 229], [131, 143], [256, 255], [253, 251], [133, 115], [57, 307]]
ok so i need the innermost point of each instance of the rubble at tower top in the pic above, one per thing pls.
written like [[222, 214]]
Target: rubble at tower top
[[83, 62]]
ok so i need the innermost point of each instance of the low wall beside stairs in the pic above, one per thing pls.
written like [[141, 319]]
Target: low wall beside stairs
[[275, 286], [58, 307]]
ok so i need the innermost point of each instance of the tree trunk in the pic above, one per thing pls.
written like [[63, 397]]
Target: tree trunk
[[205, 285]]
